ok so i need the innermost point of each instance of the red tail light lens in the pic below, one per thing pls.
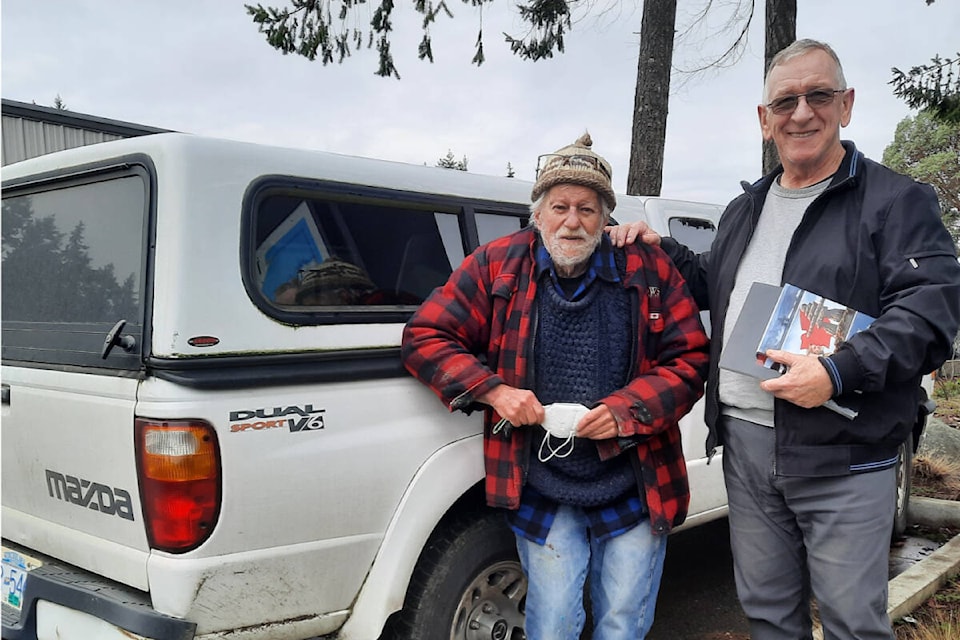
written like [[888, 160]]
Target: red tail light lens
[[179, 466]]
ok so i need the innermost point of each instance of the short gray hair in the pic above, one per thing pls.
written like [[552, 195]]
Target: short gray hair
[[799, 48]]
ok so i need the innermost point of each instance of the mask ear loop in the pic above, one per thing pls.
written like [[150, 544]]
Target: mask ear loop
[[564, 450]]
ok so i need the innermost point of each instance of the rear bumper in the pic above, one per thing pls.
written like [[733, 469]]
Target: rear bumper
[[91, 597]]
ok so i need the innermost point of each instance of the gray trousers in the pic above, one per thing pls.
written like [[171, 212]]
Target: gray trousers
[[792, 537]]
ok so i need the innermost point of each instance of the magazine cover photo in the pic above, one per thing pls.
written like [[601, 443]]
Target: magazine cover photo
[[806, 323]]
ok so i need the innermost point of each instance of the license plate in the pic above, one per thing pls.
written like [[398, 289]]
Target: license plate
[[16, 566]]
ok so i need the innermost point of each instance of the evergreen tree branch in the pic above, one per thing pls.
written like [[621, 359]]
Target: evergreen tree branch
[[308, 28], [935, 87], [547, 19]]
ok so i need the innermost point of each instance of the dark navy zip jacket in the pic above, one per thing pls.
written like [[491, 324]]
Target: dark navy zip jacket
[[874, 241]]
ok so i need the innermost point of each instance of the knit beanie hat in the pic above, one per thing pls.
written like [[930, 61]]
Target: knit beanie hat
[[575, 164]]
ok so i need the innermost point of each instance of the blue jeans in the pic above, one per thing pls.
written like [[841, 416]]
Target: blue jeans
[[624, 573]]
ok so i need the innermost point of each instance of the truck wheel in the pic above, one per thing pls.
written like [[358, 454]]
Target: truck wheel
[[468, 584], [904, 483]]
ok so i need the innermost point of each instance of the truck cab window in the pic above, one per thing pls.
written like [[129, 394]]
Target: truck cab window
[[696, 233], [492, 226]]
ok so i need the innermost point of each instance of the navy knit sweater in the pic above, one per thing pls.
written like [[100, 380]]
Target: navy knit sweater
[[582, 355]]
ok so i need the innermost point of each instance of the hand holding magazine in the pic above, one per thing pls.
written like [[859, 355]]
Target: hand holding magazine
[[789, 319]]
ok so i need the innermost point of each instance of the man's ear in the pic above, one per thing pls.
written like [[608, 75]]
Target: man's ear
[[766, 127], [847, 107]]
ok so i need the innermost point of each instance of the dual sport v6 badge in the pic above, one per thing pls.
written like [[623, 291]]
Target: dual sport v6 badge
[[296, 418]]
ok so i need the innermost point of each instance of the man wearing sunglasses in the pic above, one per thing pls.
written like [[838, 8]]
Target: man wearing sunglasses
[[810, 490], [584, 360]]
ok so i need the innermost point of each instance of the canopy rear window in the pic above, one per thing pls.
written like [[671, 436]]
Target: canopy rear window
[[73, 266]]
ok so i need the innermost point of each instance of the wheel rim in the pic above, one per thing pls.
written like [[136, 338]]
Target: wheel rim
[[901, 482], [491, 607]]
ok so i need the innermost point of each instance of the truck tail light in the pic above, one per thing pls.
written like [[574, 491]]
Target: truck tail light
[[179, 468]]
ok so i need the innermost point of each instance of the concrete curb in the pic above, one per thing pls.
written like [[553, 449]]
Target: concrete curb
[[911, 588]]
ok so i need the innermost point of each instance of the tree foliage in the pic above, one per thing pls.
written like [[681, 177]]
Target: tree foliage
[[928, 149], [935, 87], [548, 18], [449, 162], [324, 29]]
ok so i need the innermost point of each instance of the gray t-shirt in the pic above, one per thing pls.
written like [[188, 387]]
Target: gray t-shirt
[[740, 395]]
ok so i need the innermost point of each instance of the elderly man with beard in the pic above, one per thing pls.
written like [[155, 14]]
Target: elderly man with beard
[[584, 359]]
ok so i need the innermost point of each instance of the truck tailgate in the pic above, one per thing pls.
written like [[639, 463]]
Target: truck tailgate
[[69, 470]]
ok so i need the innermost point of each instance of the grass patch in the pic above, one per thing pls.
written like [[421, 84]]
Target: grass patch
[[946, 392], [936, 476], [936, 619], [946, 388]]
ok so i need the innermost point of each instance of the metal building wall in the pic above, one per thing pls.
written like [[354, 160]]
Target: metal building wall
[[24, 139], [30, 130]]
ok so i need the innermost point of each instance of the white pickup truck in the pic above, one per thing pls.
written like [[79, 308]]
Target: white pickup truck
[[207, 432]]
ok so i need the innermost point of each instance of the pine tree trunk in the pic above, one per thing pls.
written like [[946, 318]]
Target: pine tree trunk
[[780, 20], [650, 104]]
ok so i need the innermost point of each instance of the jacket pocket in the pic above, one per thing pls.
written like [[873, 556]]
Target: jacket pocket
[[914, 258]]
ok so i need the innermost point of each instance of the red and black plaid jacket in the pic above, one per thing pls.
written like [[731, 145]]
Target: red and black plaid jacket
[[477, 331]]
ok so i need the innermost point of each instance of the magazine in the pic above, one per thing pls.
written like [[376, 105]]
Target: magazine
[[805, 323], [789, 319]]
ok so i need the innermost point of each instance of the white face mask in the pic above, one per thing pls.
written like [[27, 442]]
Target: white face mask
[[560, 421]]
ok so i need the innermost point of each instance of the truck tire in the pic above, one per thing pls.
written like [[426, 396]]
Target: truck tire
[[467, 585], [904, 484]]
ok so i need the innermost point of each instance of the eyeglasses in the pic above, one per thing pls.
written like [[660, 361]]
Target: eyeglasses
[[815, 99], [555, 160]]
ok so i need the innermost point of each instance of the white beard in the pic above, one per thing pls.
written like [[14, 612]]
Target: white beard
[[568, 256]]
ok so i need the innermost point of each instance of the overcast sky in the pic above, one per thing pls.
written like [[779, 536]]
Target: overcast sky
[[200, 66]]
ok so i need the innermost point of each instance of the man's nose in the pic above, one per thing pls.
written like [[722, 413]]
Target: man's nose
[[572, 219], [803, 110]]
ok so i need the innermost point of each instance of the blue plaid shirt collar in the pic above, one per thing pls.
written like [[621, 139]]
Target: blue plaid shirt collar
[[602, 266]]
